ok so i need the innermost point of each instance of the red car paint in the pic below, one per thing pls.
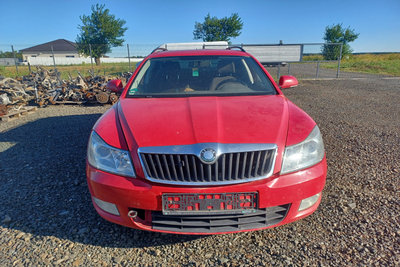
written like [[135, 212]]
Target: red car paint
[[115, 86], [141, 122]]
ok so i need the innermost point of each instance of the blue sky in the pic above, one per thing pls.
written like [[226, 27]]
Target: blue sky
[[26, 23]]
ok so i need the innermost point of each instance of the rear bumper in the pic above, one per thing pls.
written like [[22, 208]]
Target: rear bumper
[[145, 196]]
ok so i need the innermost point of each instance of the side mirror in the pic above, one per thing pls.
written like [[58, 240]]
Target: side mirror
[[287, 81], [115, 86]]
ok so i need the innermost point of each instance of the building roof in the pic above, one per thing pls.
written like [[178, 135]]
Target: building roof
[[58, 46]]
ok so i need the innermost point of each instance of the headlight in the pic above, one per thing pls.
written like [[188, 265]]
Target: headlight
[[107, 158], [304, 154]]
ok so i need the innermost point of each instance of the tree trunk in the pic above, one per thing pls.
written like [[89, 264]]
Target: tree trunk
[[97, 60]]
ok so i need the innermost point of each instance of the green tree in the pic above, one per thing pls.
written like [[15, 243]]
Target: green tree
[[338, 34], [101, 30], [214, 29], [8, 54]]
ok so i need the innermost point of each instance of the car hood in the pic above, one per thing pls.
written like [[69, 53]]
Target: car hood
[[182, 121]]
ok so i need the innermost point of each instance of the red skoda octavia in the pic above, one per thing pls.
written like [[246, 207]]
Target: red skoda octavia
[[204, 142]]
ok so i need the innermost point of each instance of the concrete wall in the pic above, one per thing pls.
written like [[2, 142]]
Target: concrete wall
[[49, 54], [7, 61], [48, 61]]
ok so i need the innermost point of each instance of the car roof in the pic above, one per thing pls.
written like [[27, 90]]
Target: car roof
[[198, 52]]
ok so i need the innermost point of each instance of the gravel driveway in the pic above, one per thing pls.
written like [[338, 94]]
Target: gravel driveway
[[47, 218]]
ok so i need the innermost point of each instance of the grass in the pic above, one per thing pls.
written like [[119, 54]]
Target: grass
[[313, 57], [113, 69], [386, 64]]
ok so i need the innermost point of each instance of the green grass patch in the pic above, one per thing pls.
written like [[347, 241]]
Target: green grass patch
[[314, 57], [386, 64], [113, 69]]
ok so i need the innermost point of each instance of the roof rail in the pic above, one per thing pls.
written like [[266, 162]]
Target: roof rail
[[159, 49], [200, 45], [236, 47], [194, 46]]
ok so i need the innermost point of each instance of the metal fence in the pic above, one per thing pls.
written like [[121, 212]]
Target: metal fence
[[313, 63], [310, 64], [71, 63]]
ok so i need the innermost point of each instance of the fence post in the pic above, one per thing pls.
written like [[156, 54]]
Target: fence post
[[279, 70], [54, 63], [317, 74], [129, 58], [54, 60], [91, 58], [15, 59], [288, 69], [339, 59]]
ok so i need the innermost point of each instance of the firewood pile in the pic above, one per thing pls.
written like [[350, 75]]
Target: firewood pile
[[14, 95], [44, 87]]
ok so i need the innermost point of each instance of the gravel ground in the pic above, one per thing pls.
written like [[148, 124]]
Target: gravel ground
[[46, 217]]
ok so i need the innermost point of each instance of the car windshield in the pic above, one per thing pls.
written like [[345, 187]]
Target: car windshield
[[200, 76]]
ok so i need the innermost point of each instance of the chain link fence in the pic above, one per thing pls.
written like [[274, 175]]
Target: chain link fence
[[23, 59], [314, 62]]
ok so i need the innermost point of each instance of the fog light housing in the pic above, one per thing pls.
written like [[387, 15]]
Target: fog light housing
[[308, 202], [106, 206]]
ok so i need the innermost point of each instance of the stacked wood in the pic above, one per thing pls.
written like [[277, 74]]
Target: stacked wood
[[44, 87]]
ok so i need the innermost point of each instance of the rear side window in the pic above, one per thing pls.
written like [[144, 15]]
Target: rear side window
[[200, 75]]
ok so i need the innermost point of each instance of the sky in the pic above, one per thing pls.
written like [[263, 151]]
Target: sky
[[25, 23]]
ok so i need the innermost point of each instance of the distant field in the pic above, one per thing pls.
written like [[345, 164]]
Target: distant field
[[388, 64], [66, 70]]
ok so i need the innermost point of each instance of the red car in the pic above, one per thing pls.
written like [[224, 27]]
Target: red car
[[204, 142]]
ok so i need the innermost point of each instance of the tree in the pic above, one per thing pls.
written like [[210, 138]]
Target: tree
[[99, 32], [214, 29], [338, 34], [8, 54]]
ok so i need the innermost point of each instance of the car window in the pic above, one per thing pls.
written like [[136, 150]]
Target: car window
[[200, 75]]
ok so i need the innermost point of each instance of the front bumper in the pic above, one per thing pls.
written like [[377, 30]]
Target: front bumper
[[145, 197]]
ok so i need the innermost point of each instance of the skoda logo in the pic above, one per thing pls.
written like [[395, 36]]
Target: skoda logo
[[208, 155]]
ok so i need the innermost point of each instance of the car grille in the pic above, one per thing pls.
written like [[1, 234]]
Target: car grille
[[229, 168], [219, 223]]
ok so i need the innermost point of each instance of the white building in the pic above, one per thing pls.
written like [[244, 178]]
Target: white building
[[61, 48]]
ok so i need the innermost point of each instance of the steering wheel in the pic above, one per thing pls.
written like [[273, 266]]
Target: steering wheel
[[225, 81], [231, 80]]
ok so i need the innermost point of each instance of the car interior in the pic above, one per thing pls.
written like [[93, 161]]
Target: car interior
[[200, 75]]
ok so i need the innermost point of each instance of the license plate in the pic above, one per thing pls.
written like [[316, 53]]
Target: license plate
[[201, 204]]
